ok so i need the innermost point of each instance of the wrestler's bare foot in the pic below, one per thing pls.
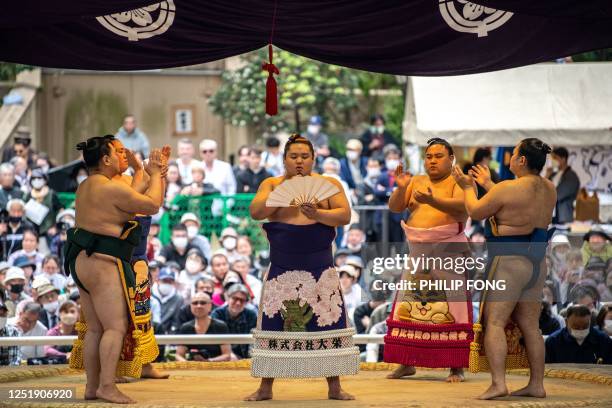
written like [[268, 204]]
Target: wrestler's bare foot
[[530, 391], [111, 393], [262, 394], [494, 391], [90, 392], [148, 371], [402, 371], [339, 394], [456, 375]]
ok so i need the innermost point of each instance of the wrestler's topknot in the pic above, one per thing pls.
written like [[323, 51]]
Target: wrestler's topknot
[[94, 149], [296, 138]]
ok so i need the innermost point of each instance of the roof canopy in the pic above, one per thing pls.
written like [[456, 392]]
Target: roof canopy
[[410, 37]]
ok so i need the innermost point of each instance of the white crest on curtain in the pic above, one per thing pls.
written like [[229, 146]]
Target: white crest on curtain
[[141, 23], [467, 17]]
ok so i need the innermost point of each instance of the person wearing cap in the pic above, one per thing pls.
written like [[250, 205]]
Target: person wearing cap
[[28, 254], [203, 323], [195, 266], [249, 179], [9, 189], [176, 250], [229, 242], [17, 224], [596, 243], [193, 224], [44, 195], [15, 283], [218, 172], [165, 291], [353, 166], [239, 317], [351, 291], [9, 355], [48, 297], [314, 134]]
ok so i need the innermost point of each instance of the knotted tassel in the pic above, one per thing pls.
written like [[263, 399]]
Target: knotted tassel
[[271, 90]]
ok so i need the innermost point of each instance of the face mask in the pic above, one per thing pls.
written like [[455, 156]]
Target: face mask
[[38, 183], [373, 173], [579, 335], [165, 288], [45, 169], [51, 307], [17, 288], [380, 129], [193, 266], [80, 179], [608, 326], [192, 232], [180, 242], [229, 243], [68, 319], [15, 220], [2, 322], [352, 155], [313, 129], [391, 164]]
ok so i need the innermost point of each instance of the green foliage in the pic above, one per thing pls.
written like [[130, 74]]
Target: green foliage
[[9, 71]]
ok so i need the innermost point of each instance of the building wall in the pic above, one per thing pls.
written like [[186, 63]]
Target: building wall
[[77, 105]]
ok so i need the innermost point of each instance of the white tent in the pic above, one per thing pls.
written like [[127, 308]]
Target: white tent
[[562, 104]]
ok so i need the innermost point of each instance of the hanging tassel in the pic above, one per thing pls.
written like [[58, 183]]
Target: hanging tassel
[[271, 90]]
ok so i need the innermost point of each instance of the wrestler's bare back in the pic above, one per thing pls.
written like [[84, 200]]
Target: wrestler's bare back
[[424, 215], [528, 203], [293, 215]]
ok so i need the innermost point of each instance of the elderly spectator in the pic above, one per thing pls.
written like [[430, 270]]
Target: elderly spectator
[[9, 190], [29, 325], [331, 168], [45, 196], [242, 265], [203, 324], [229, 242], [132, 137], [272, 157], [69, 315], [376, 137], [178, 247], [15, 284], [579, 342], [165, 291], [202, 285], [219, 266], [314, 134], [174, 183], [585, 294], [243, 160], [249, 179], [596, 243], [218, 172], [9, 355], [197, 240], [48, 297], [29, 250], [239, 317], [186, 159], [21, 172], [195, 265], [353, 166], [51, 269], [567, 183], [16, 225]]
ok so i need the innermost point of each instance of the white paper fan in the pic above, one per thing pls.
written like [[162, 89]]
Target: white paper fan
[[301, 190]]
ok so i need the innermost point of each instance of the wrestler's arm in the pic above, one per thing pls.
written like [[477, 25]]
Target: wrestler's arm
[[399, 199], [339, 212], [488, 205], [451, 205], [258, 208], [130, 201]]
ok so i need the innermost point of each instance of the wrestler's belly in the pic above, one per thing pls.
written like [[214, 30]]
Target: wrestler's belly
[[293, 215], [423, 217]]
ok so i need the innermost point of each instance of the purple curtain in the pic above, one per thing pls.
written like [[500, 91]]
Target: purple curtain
[[411, 37]]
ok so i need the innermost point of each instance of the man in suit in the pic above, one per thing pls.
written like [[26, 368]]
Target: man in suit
[[567, 183]]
